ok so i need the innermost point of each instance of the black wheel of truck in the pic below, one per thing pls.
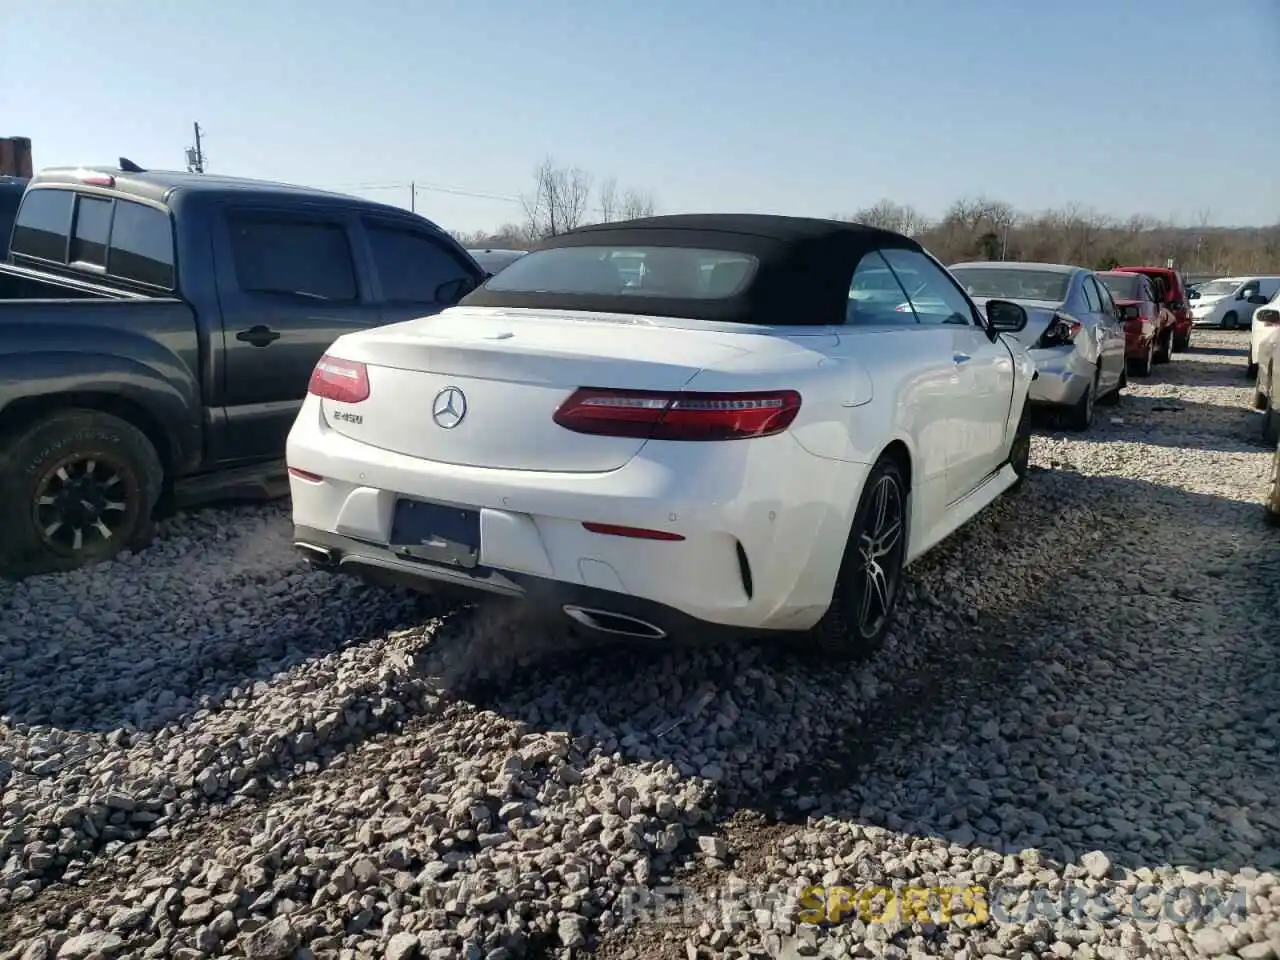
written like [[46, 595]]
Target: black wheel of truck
[[76, 487]]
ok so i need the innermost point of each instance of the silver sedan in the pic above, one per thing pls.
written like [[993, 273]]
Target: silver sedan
[[1073, 331]]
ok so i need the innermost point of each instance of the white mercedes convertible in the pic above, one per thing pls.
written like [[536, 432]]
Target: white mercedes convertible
[[735, 441]]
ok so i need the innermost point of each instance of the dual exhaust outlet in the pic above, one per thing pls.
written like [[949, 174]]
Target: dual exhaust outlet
[[601, 621]]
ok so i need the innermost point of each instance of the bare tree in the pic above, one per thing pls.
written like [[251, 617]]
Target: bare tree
[[636, 204], [607, 200], [559, 202]]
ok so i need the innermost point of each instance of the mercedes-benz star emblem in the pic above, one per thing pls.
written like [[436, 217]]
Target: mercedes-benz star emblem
[[449, 408]]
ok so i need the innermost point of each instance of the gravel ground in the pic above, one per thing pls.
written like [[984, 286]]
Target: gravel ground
[[206, 750]]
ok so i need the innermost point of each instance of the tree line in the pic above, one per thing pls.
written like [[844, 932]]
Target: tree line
[[985, 229], [565, 197]]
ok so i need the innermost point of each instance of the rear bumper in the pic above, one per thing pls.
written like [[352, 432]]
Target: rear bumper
[[376, 563], [1064, 375], [755, 554]]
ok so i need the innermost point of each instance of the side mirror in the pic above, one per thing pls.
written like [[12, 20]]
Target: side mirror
[[1004, 316], [1193, 295], [451, 291], [1244, 294]]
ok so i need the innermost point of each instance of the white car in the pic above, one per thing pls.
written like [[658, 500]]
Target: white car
[[1264, 359], [1263, 332], [730, 448], [1230, 302]]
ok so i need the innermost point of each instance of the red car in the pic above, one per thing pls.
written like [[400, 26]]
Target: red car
[[1147, 326], [1171, 293]]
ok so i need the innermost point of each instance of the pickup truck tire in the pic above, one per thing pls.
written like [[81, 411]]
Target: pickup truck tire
[[76, 487], [1182, 344]]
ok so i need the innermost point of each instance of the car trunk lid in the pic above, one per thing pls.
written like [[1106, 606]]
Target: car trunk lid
[[512, 369]]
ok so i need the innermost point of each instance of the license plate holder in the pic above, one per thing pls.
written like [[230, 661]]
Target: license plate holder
[[436, 532]]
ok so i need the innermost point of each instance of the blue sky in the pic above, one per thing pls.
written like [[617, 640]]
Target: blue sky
[[1167, 107]]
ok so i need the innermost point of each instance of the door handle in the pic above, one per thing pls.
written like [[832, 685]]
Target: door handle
[[959, 358], [259, 336]]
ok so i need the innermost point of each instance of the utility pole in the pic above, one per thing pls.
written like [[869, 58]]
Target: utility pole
[[195, 155], [413, 197]]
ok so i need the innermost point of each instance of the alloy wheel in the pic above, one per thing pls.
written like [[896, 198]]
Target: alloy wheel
[[880, 547], [79, 502]]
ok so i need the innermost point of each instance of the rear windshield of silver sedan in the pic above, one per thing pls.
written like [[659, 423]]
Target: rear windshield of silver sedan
[[680, 272], [1050, 285]]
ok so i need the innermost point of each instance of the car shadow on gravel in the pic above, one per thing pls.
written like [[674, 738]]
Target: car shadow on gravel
[[1050, 719], [247, 610], [1162, 421]]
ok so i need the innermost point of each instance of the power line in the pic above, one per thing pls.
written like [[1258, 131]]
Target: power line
[[413, 186]]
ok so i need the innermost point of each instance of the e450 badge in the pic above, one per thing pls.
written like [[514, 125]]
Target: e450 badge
[[348, 417]]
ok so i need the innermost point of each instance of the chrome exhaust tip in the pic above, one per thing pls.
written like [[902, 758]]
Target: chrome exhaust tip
[[320, 556], [618, 624]]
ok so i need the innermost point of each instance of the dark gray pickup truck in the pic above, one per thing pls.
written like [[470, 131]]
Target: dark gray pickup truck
[[157, 335]]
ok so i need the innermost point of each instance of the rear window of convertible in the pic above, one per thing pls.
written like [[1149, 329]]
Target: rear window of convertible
[[683, 273]]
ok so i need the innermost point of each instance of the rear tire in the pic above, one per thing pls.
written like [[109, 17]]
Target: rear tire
[[861, 613], [1080, 416], [1164, 353], [1273, 497], [1270, 417], [1182, 344], [76, 488], [1142, 367]]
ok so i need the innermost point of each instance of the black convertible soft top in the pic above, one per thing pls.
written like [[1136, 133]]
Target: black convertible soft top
[[804, 267]]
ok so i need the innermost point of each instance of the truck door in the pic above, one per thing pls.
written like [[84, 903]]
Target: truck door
[[411, 264], [289, 286]]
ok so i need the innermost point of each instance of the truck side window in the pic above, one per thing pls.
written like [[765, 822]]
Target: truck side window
[[292, 256], [93, 226], [43, 224], [142, 245], [412, 266]]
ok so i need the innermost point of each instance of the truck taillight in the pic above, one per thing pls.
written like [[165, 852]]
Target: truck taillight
[[345, 381], [660, 415]]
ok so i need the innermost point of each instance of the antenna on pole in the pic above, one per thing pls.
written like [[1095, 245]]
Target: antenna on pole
[[195, 155]]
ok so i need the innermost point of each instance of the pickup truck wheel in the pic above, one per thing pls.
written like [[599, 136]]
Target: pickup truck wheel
[[1182, 344], [79, 486]]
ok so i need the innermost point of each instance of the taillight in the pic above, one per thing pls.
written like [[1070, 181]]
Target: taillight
[[1269, 317], [346, 381], [656, 415], [1061, 331]]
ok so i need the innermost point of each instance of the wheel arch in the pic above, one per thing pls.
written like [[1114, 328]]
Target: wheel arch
[[25, 412]]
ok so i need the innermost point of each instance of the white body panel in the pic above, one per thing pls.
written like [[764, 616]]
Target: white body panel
[[1263, 336], [949, 395]]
